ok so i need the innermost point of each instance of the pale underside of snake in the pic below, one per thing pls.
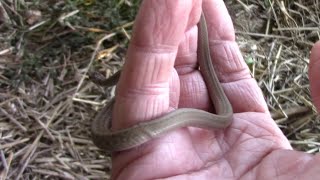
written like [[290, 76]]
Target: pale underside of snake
[[104, 137]]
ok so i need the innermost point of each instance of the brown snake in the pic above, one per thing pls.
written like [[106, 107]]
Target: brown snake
[[140, 133]]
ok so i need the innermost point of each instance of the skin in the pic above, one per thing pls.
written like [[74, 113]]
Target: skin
[[160, 75]]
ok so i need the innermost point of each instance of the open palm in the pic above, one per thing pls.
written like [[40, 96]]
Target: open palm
[[161, 74]]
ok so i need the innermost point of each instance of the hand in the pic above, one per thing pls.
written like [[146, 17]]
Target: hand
[[161, 75]]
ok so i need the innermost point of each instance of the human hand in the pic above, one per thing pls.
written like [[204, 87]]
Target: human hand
[[160, 75]]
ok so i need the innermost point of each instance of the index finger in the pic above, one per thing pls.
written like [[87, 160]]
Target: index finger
[[242, 90], [143, 88]]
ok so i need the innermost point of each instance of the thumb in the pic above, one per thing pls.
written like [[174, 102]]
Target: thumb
[[314, 75]]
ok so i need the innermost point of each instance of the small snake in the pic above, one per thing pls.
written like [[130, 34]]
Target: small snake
[[124, 139]]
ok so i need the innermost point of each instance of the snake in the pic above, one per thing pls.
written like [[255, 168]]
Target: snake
[[127, 138]]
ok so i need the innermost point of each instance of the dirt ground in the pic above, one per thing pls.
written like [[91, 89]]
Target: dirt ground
[[47, 102]]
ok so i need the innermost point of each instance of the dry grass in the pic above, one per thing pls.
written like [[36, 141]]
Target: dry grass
[[276, 43], [47, 102]]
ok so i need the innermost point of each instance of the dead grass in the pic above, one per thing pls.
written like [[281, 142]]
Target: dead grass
[[276, 42], [47, 102]]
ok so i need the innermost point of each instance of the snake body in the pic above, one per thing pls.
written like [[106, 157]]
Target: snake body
[[124, 139]]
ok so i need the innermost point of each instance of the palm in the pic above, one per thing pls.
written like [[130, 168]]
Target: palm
[[192, 152], [235, 152]]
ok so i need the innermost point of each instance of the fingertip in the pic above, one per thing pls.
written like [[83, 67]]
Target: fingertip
[[314, 74], [161, 22], [315, 53], [220, 26]]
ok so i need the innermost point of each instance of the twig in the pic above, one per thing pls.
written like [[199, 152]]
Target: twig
[[12, 119]]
